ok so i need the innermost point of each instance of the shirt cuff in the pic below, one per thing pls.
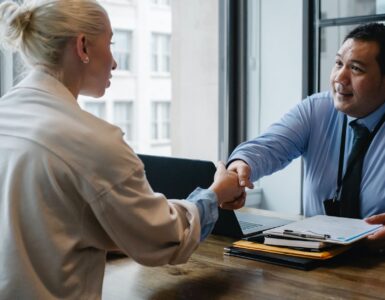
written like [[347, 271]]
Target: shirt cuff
[[206, 201]]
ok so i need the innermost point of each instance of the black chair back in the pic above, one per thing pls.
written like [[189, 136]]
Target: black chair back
[[176, 178]]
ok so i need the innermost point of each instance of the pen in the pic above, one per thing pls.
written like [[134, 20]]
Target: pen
[[306, 235]]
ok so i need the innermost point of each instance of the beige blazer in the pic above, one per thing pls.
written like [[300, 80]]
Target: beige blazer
[[70, 189]]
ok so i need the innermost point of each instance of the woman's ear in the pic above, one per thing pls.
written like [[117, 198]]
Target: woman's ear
[[81, 48]]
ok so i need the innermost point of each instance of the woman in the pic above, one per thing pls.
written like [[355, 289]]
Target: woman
[[70, 188]]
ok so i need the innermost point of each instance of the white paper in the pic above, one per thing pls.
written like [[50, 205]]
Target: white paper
[[340, 230]]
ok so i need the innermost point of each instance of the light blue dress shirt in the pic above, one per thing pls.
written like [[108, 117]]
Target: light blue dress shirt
[[313, 129], [206, 201]]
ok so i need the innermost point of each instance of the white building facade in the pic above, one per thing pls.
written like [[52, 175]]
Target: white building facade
[[139, 99]]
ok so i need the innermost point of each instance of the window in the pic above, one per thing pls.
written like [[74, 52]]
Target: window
[[18, 69], [160, 61], [5, 76], [161, 2], [265, 82], [123, 117], [97, 108], [337, 18], [120, 2], [160, 129], [351, 8], [331, 39], [143, 31], [122, 49]]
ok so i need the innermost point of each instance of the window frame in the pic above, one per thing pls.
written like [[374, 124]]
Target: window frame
[[159, 123], [313, 24], [6, 71], [129, 52], [131, 122], [161, 3], [100, 102], [159, 54], [233, 53]]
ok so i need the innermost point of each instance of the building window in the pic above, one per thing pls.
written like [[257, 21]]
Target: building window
[[97, 108], [161, 2], [19, 68], [336, 19], [161, 53], [160, 127], [123, 117], [122, 49]]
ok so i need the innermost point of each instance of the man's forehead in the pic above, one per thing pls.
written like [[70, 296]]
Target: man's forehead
[[359, 49]]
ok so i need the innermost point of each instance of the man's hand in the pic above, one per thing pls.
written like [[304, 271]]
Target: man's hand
[[376, 241], [243, 170], [229, 193]]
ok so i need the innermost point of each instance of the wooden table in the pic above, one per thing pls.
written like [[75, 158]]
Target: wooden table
[[211, 275]]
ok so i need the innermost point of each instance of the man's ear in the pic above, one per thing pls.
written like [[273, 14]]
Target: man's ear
[[81, 47]]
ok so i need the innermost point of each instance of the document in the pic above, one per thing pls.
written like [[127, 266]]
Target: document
[[328, 229], [274, 240]]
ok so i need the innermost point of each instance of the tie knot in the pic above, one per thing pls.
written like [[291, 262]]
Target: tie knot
[[360, 131]]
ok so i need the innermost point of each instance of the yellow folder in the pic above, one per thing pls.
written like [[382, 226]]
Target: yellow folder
[[326, 254]]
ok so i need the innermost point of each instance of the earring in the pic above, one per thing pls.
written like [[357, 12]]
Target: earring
[[86, 60]]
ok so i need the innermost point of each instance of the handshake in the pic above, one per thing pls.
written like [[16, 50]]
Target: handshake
[[229, 185]]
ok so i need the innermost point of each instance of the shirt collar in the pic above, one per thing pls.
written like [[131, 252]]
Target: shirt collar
[[371, 120], [40, 80]]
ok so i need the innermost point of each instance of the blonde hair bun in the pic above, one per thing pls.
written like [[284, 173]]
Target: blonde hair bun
[[14, 20], [39, 30]]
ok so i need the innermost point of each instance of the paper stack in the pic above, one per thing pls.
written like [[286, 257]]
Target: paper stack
[[303, 244]]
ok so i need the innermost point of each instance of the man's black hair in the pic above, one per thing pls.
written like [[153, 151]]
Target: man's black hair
[[371, 32]]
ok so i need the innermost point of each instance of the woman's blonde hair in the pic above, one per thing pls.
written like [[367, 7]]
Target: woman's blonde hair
[[40, 29]]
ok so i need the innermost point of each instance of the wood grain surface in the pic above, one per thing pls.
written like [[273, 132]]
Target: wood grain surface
[[211, 275]]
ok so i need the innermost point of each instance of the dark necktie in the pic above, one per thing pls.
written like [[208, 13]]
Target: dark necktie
[[351, 185]]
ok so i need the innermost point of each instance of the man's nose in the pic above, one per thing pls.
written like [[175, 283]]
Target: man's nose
[[342, 75]]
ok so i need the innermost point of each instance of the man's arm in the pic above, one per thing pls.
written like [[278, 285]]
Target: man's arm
[[273, 150]]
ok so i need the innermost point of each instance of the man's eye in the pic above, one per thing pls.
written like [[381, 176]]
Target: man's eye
[[357, 69], [338, 63]]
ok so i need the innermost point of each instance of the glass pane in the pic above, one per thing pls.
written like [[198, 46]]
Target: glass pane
[[123, 117], [122, 48], [96, 108], [191, 85], [154, 53], [18, 69], [160, 121], [188, 29], [349, 8], [160, 56], [274, 86]]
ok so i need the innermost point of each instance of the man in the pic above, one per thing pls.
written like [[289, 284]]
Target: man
[[315, 129]]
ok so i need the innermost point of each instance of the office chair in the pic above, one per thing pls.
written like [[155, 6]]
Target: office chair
[[176, 178]]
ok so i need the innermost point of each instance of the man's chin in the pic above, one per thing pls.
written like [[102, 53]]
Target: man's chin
[[342, 106]]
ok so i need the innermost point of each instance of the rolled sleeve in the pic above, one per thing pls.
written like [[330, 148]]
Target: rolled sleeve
[[206, 201]]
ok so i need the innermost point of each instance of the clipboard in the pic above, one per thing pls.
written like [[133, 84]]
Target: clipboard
[[330, 229]]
